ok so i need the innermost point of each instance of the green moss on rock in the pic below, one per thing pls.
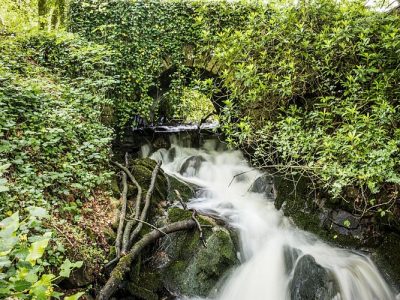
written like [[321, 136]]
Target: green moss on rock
[[185, 190], [197, 269], [142, 170], [298, 201]]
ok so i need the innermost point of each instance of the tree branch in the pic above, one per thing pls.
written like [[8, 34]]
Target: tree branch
[[146, 204]]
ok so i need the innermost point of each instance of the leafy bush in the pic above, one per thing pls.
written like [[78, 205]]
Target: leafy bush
[[23, 246], [318, 84], [51, 134]]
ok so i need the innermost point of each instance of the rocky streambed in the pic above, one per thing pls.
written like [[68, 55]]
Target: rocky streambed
[[252, 244]]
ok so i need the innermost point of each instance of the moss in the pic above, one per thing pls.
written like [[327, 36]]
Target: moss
[[195, 269], [143, 283], [176, 214], [185, 190], [298, 201], [141, 292], [142, 170]]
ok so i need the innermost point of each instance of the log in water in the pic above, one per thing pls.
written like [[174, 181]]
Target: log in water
[[278, 261]]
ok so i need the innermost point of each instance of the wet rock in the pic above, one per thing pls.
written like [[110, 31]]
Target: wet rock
[[345, 223], [191, 166], [186, 191], [193, 269], [311, 281], [306, 208], [290, 256], [171, 154], [264, 184], [387, 257]]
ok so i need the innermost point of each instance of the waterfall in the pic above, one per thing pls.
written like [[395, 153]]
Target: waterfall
[[275, 256]]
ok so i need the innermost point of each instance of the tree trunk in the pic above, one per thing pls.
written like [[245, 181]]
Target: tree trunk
[[42, 12]]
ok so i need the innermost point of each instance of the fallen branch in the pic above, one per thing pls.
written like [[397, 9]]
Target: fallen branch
[[131, 223], [124, 265], [199, 228], [118, 240], [178, 195], [146, 204], [184, 205], [148, 224]]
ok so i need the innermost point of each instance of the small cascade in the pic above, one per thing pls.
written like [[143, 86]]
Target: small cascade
[[278, 261]]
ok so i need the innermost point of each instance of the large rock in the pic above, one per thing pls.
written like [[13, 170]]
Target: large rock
[[345, 223], [180, 264], [311, 281], [290, 256], [188, 267], [192, 165], [264, 184]]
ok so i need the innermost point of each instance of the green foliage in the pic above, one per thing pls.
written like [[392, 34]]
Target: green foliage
[[23, 244], [51, 131], [24, 15], [149, 37], [318, 84]]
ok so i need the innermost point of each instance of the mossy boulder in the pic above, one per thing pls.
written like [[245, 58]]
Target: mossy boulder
[[310, 210], [142, 169], [185, 190], [191, 268], [181, 265]]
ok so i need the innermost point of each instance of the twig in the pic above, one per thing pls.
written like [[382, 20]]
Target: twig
[[194, 213], [241, 173], [146, 204], [180, 199], [199, 228], [148, 224], [130, 224], [64, 235], [118, 240]]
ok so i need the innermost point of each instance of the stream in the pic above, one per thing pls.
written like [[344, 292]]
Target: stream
[[277, 259]]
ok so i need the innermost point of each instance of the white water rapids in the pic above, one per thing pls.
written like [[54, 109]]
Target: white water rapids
[[264, 232]]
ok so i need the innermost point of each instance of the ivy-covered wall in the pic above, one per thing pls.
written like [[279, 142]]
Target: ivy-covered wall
[[150, 37]]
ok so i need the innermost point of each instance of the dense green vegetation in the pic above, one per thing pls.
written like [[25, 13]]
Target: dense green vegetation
[[310, 89], [315, 85], [317, 89], [54, 152]]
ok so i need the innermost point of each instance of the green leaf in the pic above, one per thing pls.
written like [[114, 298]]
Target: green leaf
[[4, 262], [346, 223], [40, 288], [38, 212], [75, 296], [37, 249], [22, 285], [9, 225], [67, 267]]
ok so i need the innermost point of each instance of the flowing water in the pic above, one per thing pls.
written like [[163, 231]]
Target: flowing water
[[267, 238]]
